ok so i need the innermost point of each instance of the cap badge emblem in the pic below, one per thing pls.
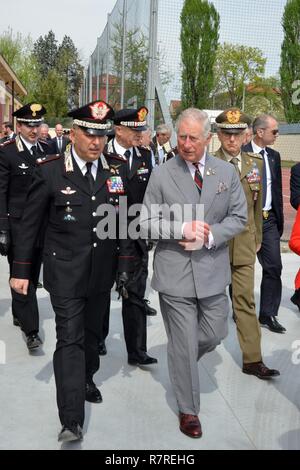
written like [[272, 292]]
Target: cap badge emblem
[[142, 114], [233, 117], [99, 110], [35, 108]]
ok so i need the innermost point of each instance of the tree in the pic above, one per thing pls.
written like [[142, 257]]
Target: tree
[[290, 60], [68, 65], [45, 52], [236, 66], [200, 24], [136, 65], [264, 97], [17, 51], [53, 94]]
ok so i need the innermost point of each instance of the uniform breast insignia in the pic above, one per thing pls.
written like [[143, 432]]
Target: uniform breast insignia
[[115, 185], [142, 171], [114, 169], [68, 191], [69, 218], [254, 180], [23, 166]]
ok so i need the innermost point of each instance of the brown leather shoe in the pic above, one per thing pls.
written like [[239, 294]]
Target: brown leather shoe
[[190, 425], [260, 370]]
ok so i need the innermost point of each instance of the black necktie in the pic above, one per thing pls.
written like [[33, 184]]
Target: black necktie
[[127, 154], [198, 177], [89, 176], [34, 151], [264, 180]]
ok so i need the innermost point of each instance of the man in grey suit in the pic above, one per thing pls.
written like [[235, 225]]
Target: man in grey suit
[[191, 261]]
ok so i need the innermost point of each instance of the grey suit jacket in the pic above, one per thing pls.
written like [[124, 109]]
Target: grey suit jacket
[[201, 273]]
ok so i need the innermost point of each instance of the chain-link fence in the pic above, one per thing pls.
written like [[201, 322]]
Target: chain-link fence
[[253, 24]]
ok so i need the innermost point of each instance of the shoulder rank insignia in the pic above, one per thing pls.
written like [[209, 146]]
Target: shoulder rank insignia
[[48, 158], [8, 142]]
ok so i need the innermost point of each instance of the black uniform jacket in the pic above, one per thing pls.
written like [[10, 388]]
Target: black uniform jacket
[[75, 259], [16, 169], [277, 198]]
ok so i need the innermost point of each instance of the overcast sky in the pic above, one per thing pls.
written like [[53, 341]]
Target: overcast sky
[[82, 20]]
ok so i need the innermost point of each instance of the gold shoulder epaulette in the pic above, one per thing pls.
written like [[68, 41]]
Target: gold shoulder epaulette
[[255, 155], [47, 158]]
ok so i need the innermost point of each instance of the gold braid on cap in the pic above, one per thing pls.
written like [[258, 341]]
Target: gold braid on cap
[[233, 126], [92, 125], [133, 123]]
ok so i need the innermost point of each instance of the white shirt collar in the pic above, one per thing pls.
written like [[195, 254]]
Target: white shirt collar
[[256, 148], [202, 163], [119, 149], [82, 163], [27, 144], [230, 157]]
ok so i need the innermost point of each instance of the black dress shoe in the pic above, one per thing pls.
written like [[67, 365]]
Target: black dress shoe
[[142, 361], [151, 312], [272, 324], [70, 433], [92, 393], [33, 341], [16, 322], [102, 349], [260, 370], [296, 298]]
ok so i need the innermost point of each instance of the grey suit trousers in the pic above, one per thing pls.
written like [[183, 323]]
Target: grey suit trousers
[[194, 327]]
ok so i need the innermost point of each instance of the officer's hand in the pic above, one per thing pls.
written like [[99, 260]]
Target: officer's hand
[[122, 281], [258, 247], [4, 242], [19, 285]]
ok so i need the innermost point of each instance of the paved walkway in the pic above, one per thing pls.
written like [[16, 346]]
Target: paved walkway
[[139, 411]]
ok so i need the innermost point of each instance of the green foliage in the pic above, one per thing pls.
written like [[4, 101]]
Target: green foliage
[[51, 73], [17, 51], [45, 51], [236, 66], [200, 24], [136, 66], [290, 60]]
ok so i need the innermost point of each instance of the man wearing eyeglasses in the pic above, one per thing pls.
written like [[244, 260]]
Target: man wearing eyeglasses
[[265, 130]]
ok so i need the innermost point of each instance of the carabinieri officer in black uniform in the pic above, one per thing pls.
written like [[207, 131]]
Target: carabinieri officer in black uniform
[[79, 265], [17, 162], [125, 146]]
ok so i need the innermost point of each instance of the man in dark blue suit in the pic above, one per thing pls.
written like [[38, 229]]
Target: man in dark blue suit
[[265, 129], [60, 142]]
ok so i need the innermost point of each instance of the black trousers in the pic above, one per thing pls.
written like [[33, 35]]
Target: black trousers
[[76, 359], [133, 312], [269, 257], [25, 307]]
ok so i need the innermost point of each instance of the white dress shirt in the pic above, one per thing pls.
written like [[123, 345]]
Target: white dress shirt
[[82, 164], [257, 149], [28, 145], [192, 168], [121, 151]]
